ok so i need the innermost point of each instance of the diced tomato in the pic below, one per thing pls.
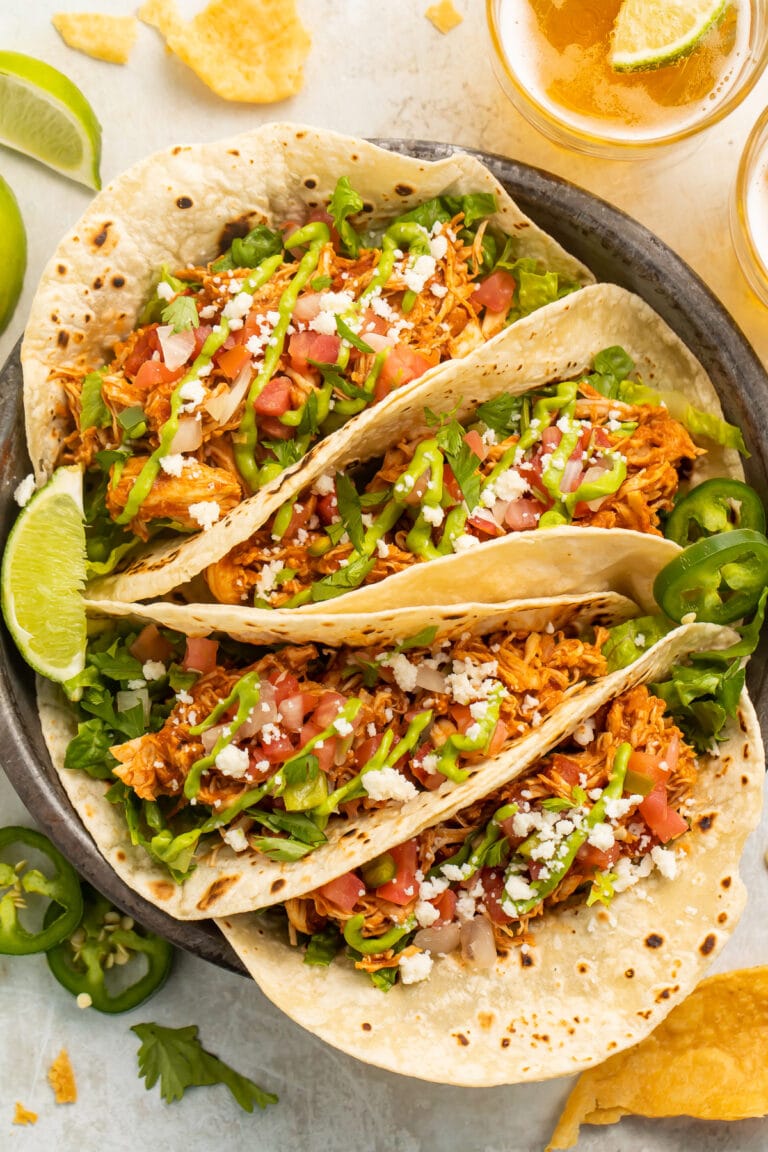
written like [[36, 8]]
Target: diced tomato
[[277, 749], [154, 372], [402, 889], [600, 438], [649, 767], [663, 821], [306, 346], [474, 442], [201, 334], [233, 360], [445, 904], [367, 749], [492, 880], [430, 780], [568, 770], [285, 684], [495, 292], [485, 526], [320, 214], [596, 858], [522, 514], [299, 517], [150, 644], [328, 508], [551, 437], [146, 343], [498, 738], [373, 323], [344, 892], [402, 365], [328, 708], [462, 716], [450, 482], [200, 655], [275, 397]]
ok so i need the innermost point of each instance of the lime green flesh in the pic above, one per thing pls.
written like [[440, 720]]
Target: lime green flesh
[[651, 33], [13, 253], [43, 573], [45, 116]]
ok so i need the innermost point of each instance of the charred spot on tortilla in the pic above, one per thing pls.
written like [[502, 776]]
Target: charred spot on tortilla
[[744, 781], [120, 855], [485, 1019], [216, 890], [100, 239], [462, 1039], [118, 281], [582, 968], [725, 882], [746, 751], [742, 722], [646, 1015], [707, 944], [722, 918], [310, 182], [404, 190], [62, 338], [654, 940], [505, 1041], [526, 960], [61, 269], [163, 889], [706, 822], [276, 885], [98, 283], [629, 973], [184, 202]]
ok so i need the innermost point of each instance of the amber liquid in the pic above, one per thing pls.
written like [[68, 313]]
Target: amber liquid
[[560, 50]]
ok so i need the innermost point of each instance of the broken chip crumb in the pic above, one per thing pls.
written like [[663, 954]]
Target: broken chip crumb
[[22, 1115], [61, 1077], [443, 15], [705, 1060], [109, 38], [247, 50]]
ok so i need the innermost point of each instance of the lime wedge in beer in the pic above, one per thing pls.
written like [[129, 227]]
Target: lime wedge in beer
[[45, 116], [650, 33], [13, 253], [42, 577]]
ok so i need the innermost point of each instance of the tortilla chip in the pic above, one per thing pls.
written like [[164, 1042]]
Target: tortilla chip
[[249, 50], [706, 1060], [109, 38], [61, 1077], [444, 16], [22, 1115]]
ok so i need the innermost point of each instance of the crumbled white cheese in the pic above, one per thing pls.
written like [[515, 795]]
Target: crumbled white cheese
[[270, 733], [468, 681], [267, 577], [405, 673], [233, 761], [425, 914], [464, 542], [153, 670], [205, 513], [192, 393], [135, 685], [665, 861], [388, 784], [164, 291], [343, 726], [172, 465], [601, 837], [438, 245], [438, 290], [511, 485], [417, 274], [324, 485], [238, 306], [456, 872], [415, 967], [23, 492], [517, 888], [433, 514], [236, 839]]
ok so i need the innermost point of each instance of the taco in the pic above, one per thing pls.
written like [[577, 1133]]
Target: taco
[[554, 920], [596, 416], [221, 308], [209, 773]]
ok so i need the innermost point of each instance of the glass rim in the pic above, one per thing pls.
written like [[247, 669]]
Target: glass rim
[[754, 266], [604, 143]]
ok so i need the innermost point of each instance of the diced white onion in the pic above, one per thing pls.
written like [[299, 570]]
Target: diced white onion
[[378, 340], [177, 347], [342, 750], [130, 697], [444, 939], [430, 679], [594, 473], [292, 712], [419, 488], [189, 436], [222, 408], [571, 476], [210, 736], [265, 712], [478, 946], [499, 511]]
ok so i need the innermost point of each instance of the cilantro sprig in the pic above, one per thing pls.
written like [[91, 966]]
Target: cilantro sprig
[[176, 1058]]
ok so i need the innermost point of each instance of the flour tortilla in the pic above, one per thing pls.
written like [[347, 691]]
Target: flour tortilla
[[185, 205], [595, 981], [225, 883], [555, 343]]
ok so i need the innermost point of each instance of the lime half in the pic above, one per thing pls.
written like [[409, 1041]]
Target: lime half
[[649, 33], [13, 253], [45, 116], [43, 574]]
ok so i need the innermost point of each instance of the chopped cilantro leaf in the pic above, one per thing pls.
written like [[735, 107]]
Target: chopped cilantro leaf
[[342, 581], [93, 411], [349, 510], [352, 338], [181, 314]]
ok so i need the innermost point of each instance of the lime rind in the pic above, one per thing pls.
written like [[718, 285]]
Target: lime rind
[[42, 577], [650, 34], [45, 116], [13, 253]]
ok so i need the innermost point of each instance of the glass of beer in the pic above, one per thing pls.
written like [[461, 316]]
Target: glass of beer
[[749, 209], [552, 58]]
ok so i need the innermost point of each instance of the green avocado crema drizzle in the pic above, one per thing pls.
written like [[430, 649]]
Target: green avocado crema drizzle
[[565, 853], [448, 754], [246, 693], [146, 478]]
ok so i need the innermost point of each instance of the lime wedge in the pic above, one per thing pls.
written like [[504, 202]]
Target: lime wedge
[[43, 573], [649, 33], [45, 116], [13, 253]]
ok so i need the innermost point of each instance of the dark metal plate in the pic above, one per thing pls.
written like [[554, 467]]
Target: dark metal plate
[[617, 249]]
